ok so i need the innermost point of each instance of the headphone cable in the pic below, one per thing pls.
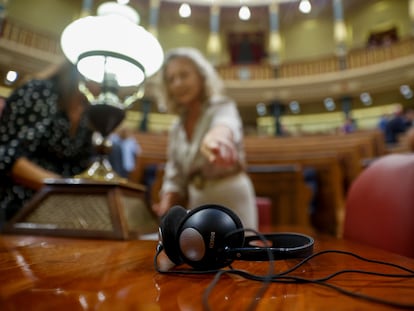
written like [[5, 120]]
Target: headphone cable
[[284, 277], [266, 279], [298, 280]]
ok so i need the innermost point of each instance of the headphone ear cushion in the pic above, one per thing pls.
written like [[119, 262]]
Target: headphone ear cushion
[[168, 230], [205, 234]]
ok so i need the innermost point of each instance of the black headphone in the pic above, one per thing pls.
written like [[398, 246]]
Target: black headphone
[[211, 236]]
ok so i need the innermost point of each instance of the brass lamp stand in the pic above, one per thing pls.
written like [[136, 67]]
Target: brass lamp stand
[[104, 118]]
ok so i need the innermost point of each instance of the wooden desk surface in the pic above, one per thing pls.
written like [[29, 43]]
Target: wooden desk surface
[[46, 273]]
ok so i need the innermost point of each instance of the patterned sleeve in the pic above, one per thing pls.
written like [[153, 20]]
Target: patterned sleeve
[[23, 122]]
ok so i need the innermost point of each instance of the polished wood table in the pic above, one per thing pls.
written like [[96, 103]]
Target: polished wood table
[[51, 273]]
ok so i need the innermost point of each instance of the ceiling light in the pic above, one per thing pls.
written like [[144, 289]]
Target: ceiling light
[[244, 13], [184, 10], [406, 91], [261, 109], [112, 43], [11, 77], [305, 6], [294, 106], [366, 98], [329, 104]]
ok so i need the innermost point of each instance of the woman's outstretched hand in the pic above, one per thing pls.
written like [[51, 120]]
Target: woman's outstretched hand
[[218, 146]]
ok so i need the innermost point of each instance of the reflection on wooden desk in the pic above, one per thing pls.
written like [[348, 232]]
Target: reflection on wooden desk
[[46, 273]]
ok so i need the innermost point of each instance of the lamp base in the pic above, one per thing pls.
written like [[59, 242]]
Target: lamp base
[[101, 170]]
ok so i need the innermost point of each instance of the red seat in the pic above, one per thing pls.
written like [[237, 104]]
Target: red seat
[[380, 205], [264, 210]]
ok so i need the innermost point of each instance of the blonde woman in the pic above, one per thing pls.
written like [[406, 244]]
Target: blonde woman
[[205, 152]]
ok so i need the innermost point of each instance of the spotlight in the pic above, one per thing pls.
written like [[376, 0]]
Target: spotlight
[[366, 98], [11, 77], [244, 13], [406, 91], [329, 104], [294, 106], [305, 6], [261, 109], [184, 10]]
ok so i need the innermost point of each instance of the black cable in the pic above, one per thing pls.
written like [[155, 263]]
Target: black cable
[[286, 278], [266, 279], [209, 289], [334, 251], [298, 280]]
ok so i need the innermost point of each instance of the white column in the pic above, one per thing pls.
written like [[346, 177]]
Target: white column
[[411, 14], [213, 43], [153, 17], [275, 43], [340, 33], [86, 8]]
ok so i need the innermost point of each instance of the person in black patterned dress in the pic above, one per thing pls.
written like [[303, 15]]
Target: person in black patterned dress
[[44, 133]]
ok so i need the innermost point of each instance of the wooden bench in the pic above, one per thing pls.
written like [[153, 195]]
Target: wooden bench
[[354, 150], [285, 187], [349, 156], [330, 195], [337, 159]]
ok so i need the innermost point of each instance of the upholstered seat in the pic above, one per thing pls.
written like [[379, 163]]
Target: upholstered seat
[[264, 210], [380, 205]]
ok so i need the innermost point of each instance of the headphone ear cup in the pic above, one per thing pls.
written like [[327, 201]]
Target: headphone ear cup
[[206, 233], [168, 230]]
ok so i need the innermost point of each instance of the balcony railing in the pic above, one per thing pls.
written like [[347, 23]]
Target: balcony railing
[[26, 37], [371, 56], [354, 59]]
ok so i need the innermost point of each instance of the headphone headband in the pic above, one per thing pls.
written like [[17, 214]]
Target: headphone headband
[[282, 246]]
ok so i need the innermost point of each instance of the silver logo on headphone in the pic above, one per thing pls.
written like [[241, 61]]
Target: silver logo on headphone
[[212, 239]]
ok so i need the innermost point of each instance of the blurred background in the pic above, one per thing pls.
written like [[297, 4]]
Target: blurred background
[[309, 69]]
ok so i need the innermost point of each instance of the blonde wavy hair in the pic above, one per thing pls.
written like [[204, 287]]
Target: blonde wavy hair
[[213, 84]]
